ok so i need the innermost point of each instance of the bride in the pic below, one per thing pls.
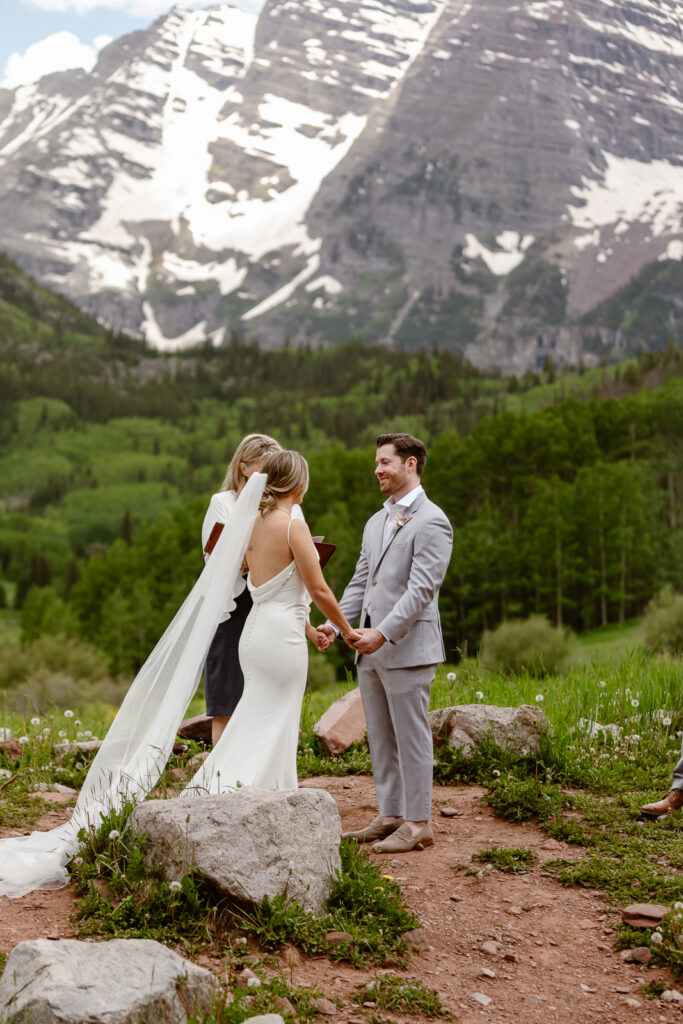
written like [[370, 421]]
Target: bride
[[259, 745]]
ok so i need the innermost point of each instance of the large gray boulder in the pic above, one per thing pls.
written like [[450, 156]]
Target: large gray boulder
[[125, 981], [517, 729], [249, 843]]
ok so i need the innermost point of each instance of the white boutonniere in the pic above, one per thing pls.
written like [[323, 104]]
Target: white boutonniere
[[400, 521]]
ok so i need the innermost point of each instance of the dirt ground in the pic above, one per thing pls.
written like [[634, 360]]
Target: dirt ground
[[554, 963]]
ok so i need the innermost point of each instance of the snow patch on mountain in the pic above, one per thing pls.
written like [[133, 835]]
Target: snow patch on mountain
[[629, 191], [503, 260]]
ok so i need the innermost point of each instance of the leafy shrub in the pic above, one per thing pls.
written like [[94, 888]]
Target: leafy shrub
[[664, 623], [525, 645]]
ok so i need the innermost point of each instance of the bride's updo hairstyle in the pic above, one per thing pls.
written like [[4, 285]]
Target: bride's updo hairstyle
[[287, 473], [251, 449]]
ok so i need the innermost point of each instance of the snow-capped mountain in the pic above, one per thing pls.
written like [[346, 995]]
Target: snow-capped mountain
[[479, 175]]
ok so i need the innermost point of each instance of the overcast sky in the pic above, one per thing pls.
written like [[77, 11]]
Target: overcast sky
[[39, 36]]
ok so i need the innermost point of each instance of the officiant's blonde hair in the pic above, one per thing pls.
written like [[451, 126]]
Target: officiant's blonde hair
[[251, 449], [287, 473]]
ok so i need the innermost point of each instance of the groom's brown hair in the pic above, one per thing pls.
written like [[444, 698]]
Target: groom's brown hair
[[406, 445]]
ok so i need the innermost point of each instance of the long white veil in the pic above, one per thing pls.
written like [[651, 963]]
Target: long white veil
[[140, 739]]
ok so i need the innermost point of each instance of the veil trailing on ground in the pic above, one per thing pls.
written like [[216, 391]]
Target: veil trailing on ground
[[140, 739]]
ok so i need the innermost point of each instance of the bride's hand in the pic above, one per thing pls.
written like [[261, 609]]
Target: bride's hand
[[352, 638], [322, 640]]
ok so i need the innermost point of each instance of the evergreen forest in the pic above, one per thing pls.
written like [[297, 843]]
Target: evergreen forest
[[565, 490]]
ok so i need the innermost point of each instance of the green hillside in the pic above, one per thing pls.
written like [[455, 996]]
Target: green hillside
[[565, 490]]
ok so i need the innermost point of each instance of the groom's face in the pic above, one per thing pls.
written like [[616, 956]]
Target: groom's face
[[391, 472]]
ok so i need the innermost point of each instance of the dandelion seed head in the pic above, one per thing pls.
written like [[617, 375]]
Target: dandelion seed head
[[114, 834], [539, 698], [635, 703], [175, 886], [35, 721], [479, 695], [451, 677], [657, 938], [602, 683], [68, 713]]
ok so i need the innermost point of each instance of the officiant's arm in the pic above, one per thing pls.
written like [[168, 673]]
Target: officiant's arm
[[431, 555], [308, 564]]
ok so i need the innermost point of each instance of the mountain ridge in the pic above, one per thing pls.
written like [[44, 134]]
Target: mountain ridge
[[403, 171]]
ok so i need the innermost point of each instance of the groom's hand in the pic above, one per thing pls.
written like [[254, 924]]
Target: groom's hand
[[370, 641]]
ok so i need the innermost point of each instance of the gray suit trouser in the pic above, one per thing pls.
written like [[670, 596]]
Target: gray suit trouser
[[396, 703]]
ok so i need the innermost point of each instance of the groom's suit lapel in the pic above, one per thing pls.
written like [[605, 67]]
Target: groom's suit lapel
[[379, 546]]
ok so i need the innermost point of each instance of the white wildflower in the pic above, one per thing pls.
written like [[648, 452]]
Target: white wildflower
[[77, 723], [253, 982], [79, 766], [114, 834], [175, 886], [495, 773], [657, 938], [635, 703], [24, 739], [451, 677], [602, 683], [666, 721], [479, 695], [35, 721], [68, 713], [539, 698], [62, 733]]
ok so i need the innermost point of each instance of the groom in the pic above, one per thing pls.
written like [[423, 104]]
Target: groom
[[394, 593]]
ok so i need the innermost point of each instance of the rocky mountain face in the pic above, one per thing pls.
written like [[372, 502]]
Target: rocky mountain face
[[483, 176]]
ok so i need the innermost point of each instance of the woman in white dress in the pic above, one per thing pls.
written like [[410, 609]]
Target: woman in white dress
[[258, 746], [223, 677]]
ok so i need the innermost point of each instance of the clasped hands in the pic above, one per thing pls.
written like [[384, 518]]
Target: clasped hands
[[364, 640]]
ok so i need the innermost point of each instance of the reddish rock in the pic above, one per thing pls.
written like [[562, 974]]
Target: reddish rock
[[416, 939], [335, 938], [450, 812], [197, 728], [490, 948], [324, 1006], [342, 724], [12, 749], [644, 915], [281, 1003], [639, 955]]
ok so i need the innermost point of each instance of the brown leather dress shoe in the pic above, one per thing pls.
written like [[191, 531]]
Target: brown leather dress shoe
[[673, 801], [374, 831], [404, 839]]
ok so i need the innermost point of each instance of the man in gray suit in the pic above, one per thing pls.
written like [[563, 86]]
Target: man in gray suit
[[394, 594]]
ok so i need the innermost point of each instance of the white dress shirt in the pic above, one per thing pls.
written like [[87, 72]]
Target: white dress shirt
[[394, 509]]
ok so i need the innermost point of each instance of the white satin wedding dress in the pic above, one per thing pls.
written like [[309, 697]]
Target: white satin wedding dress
[[257, 748]]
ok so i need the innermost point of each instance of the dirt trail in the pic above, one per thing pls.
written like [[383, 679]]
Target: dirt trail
[[555, 963]]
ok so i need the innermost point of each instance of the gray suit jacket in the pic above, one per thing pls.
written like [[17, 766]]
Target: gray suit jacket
[[397, 585]]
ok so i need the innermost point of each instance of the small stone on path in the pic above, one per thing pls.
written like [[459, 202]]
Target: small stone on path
[[416, 939], [489, 948], [639, 955], [672, 995], [481, 998], [644, 915], [485, 972], [450, 812], [324, 1006]]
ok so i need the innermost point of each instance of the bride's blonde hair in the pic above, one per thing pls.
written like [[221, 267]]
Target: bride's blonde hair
[[287, 473], [250, 449]]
